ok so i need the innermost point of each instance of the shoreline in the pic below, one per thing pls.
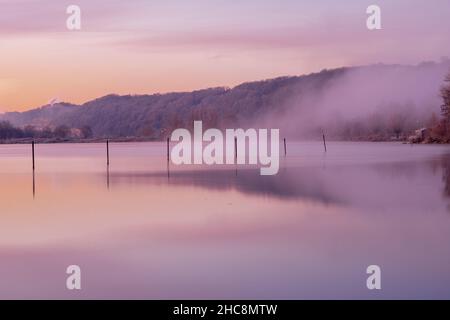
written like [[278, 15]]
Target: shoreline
[[143, 139], [90, 140]]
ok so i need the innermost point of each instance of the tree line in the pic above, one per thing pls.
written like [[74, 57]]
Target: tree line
[[9, 132], [155, 117]]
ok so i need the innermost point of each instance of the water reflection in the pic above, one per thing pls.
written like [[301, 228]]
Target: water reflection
[[378, 184], [34, 184], [168, 169], [446, 177], [294, 183], [107, 176]]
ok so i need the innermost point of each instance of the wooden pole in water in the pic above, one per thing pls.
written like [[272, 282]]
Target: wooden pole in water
[[168, 150], [32, 153], [34, 185], [235, 149], [324, 143], [284, 147], [107, 177], [107, 152], [168, 158]]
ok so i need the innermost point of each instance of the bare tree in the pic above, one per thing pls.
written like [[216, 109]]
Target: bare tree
[[445, 94]]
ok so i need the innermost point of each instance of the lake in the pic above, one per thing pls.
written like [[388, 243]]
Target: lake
[[139, 230]]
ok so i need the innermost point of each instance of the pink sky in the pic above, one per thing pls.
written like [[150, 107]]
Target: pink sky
[[154, 46]]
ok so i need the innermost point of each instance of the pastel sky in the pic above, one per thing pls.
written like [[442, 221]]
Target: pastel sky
[[135, 47]]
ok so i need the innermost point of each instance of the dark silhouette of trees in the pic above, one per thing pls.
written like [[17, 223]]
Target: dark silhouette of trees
[[7, 131], [46, 132], [441, 131], [10, 132], [86, 132], [445, 93], [61, 131], [396, 124]]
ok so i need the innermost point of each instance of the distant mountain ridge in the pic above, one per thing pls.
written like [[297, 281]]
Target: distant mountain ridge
[[298, 104]]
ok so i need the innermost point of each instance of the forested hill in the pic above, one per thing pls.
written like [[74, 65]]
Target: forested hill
[[353, 102]]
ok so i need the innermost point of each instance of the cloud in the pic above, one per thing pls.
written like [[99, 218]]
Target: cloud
[[175, 40]]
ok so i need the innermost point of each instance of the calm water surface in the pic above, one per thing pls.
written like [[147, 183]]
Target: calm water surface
[[139, 231]]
